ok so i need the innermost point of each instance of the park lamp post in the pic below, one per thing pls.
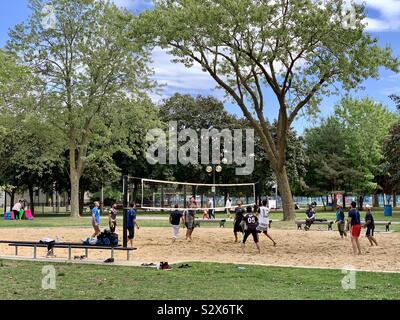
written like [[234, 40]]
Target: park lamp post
[[214, 168]]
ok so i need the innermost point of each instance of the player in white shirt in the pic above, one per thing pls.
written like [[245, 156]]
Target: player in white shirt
[[263, 221]]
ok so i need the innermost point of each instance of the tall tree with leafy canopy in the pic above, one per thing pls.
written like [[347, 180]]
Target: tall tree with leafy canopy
[[391, 151], [299, 51], [90, 66], [366, 124]]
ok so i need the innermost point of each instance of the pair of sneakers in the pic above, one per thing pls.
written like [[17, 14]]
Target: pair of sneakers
[[165, 266]]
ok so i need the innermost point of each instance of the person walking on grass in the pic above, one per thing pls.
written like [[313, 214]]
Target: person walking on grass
[[131, 223], [189, 217], [370, 225], [112, 218], [239, 215], [175, 218], [263, 221], [96, 219], [340, 221], [354, 224], [250, 222], [16, 208]]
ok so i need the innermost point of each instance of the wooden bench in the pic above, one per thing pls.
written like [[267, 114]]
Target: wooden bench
[[66, 245], [329, 223], [221, 222], [382, 223]]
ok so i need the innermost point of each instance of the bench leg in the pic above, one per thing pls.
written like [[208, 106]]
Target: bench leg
[[86, 252], [69, 253], [112, 253], [127, 255], [34, 252], [299, 227], [16, 250]]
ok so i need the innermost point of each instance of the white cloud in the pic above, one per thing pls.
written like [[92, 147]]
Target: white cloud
[[177, 78], [389, 15]]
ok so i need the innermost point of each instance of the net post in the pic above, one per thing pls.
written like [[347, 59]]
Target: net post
[[125, 213]]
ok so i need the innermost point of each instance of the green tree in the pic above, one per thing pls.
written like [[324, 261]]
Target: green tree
[[366, 125], [297, 50], [91, 68], [391, 152]]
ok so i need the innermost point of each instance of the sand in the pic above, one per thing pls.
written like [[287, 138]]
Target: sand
[[321, 249]]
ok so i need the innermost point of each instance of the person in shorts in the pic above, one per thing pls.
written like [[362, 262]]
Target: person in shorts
[[251, 222], [354, 226], [175, 219], [340, 221], [263, 221], [131, 222], [112, 218], [370, 225], [96, 219], [239, 214], [189, 217]]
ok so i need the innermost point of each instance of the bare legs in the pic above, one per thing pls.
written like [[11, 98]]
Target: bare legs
[[356, 246], [268, 236], [372, 240]]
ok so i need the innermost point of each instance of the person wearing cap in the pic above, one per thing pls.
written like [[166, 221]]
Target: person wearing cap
[[340, 221], [370, 225]]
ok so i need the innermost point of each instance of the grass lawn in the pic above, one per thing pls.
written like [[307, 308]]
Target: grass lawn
[[203, 281]]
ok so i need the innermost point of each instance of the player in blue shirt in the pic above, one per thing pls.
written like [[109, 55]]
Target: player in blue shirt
[[131, 222], [96, 219], [355, 228]]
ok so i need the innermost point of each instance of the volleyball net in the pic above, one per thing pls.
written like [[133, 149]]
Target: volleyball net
[[164, 195]]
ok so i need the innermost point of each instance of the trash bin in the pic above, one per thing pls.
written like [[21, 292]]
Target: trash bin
[[387, 210]]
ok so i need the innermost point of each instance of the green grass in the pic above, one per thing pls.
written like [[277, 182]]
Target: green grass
[[203, 281]]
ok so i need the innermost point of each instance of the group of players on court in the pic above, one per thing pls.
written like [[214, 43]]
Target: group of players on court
[[247, 221]]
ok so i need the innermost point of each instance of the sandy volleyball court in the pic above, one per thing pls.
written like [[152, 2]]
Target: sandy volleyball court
[[295, 248]]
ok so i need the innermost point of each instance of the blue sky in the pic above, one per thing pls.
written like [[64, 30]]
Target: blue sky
[[383, 23]]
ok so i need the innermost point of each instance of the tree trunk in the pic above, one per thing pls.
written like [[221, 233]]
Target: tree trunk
[[12, 199], [334, 202], [323, 203], [286, 194], [375, 201], [74, 179], [360, 202], [81, 199], [31, 200], [394, 200]]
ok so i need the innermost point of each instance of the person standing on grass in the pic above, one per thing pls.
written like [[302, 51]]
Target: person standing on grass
[[228, 206], [16, 208], [370, 225], [239, 214], [96, 219], [112, 218], [175, 219], [340, 221], [189, 217], [354, 223], [251, 222], [263, 221], [131, 223], [211, 210]]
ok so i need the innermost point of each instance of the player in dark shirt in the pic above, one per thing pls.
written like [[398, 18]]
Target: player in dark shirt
[[370, 225], [239, 214], [251, 222], [355, 228], [310, 217]]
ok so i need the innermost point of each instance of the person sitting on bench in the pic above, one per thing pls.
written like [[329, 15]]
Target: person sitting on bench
[[310, 217]]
